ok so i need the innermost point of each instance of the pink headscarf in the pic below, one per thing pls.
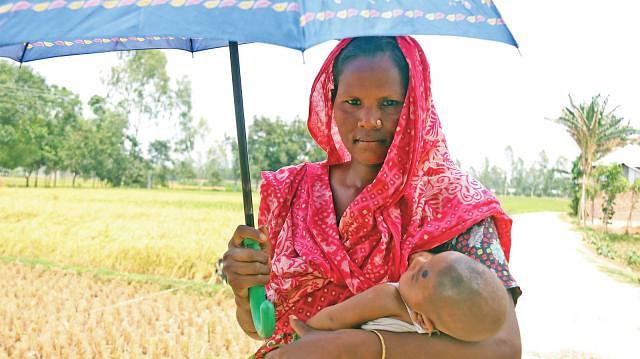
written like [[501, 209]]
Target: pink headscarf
[[418, 201]]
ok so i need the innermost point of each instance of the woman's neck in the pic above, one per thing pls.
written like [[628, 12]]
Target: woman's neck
[[360, 175]]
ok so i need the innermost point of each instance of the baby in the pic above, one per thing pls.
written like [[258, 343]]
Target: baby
[[447, 292]]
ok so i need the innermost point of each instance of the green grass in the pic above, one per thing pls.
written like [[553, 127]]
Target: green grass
[[157, 233], [623, 249], [205, 288], [522, 204], [177, 234]]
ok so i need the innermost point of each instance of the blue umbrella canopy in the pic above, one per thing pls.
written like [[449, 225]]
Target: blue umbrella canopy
[[38, 29]]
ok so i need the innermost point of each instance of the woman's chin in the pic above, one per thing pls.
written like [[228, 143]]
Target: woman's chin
[[370, 158]]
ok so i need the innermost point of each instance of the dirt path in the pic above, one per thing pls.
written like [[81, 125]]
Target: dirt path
[[570, 308]]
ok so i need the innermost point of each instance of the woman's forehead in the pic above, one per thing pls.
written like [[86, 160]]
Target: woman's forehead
[[378, 72]]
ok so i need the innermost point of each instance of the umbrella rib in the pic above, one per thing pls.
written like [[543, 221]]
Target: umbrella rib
[[24, 52]]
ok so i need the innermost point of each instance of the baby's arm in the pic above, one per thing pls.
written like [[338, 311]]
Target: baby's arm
[[382, 300]]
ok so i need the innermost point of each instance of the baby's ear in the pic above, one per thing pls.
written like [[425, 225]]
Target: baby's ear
[[425, 322]]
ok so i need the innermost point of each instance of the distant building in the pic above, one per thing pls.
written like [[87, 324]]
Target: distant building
[[628, 157]]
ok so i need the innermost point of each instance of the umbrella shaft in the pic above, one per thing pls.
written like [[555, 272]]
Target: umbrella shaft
[[241, 133]]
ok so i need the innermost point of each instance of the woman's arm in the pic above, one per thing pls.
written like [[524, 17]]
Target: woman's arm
[[504, 345], [358, 343], [246, 268]]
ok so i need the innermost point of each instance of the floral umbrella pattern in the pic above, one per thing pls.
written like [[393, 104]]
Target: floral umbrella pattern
[[88, 26]]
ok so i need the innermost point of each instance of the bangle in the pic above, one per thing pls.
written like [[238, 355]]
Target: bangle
[[384, 348]]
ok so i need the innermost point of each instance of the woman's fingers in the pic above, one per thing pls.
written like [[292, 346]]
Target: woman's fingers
[[241, 283], [241, 254], [244, 263], [245, 267], [244, 232]]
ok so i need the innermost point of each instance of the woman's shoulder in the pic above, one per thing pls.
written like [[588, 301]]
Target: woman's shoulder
[[286, 177], [288, 173], [279, 188]]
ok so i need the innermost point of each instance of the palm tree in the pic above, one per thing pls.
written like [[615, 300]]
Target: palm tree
[[596, 131]]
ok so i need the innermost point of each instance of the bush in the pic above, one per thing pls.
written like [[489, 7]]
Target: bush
[[632, 258]]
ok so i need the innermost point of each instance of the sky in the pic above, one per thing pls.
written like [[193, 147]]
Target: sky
[[488, 95]]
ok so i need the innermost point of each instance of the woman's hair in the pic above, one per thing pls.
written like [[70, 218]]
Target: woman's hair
[[370, 46]]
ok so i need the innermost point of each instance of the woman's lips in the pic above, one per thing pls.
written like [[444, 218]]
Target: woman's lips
[[368, 140]]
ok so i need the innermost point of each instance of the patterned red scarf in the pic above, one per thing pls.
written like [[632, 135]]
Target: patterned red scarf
[[418, 200]]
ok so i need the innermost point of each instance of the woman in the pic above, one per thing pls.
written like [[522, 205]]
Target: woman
[[387, 192]]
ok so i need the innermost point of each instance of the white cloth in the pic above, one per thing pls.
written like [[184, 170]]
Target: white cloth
[[392, 324]]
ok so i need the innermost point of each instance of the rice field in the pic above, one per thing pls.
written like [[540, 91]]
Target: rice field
[[49, 313], [177, 234]]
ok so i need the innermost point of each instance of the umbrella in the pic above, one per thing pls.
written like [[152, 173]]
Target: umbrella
[[39, 29]]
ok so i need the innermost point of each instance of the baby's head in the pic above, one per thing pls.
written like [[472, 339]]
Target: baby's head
[[456, 295]]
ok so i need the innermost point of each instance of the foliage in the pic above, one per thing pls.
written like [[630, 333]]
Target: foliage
[[34, 120], [634, 189], [185, 142], [493, 177], [232, 144], [275, 144], [622, 248], [539, 179], [217, 165], [611, 182], [140, 85], [576, 176], [160, 159], [185, 170], [596, 130]]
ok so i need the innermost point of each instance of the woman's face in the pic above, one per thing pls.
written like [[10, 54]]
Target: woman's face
[[367, 107]]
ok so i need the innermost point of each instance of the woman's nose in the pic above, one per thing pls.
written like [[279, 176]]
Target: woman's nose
[[369, 116]]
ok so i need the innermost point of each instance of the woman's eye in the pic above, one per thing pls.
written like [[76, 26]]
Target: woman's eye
[[390, 103], [353, 102]]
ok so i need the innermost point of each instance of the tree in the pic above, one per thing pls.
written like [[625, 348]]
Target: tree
[[519, 177], [77, 151], [545, 175], [113, 154], [611, 182], [186, 134], [65, 112], [634, 188], [492, 177], [575, 190], [140, 85], [274, 144], [160, 158], [561, 185], [232, 143], [23, 118], [216, 164], [184, 170], [596, 130]]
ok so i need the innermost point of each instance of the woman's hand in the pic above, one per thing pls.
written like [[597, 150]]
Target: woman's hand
[[314, 344], [245, 268]]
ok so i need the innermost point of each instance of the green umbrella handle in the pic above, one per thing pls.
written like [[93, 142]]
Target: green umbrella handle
[[262, 310]]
